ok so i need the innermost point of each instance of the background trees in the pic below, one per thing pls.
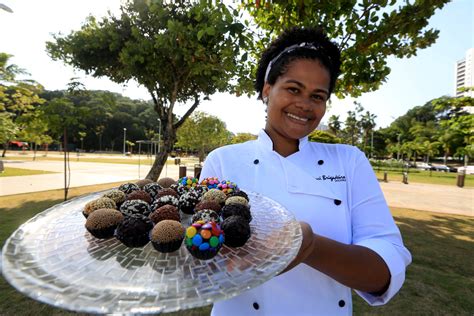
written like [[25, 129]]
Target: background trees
[[183, 51], [367, 32], [202, 133]]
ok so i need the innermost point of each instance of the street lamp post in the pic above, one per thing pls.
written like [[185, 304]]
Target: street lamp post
[[124, 139], [159, 135], [398, 146]]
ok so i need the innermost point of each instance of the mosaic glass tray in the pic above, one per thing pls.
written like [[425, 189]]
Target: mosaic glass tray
[[52, 258]]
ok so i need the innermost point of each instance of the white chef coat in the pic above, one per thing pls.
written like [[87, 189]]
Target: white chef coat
[[334, 189]]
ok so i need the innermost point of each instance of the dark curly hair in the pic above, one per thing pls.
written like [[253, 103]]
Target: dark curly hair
[[327, 53]]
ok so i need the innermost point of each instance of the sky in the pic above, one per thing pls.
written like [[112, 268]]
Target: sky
[[412, 81]]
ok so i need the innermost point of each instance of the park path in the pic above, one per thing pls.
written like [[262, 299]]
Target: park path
[[425, 197]]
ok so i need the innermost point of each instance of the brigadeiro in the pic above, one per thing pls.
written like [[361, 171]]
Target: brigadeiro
[[204, 240], [134, 230], [166, 212], [102, 222], [128, 188], [166, 182], [237, 200], [227, 186], [188, 201], [167, 191], [116, 195], [140, 195], [103, 202], [236, 230], [140, 207], [239, 193], [206, 216], [165, 200], [214, 195], [208, 205], [199, 189], [152, 189], [141, 183], [236, 209], [210, 183], [167, 236]]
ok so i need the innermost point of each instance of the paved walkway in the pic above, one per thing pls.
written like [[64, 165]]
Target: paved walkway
[[426, 197]]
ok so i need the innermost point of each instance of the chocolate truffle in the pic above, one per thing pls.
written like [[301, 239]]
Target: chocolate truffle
[[165, 200], [208, 205], [206, 216], [102, 222], [239, 193], [236, 230], [167, 236], [236, 209], [134, 230], [214, 195], [102, 202], [128, 188], [130, 207], [167, 191], [141, 183], [203, 240], [166, 182], [237, 200], [139, 195], [169, 212], [116, 195], [152, 189], [188, 201]]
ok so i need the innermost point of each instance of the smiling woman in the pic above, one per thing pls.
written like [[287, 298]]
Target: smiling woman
[[349, 237]]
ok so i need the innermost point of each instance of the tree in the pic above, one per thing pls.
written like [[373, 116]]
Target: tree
[[202, 133], [179, 51], [33, 128], [17, 97], [334, 124], [368, 32], [8, 129], [242, 137], [367, 123], [324, 137]]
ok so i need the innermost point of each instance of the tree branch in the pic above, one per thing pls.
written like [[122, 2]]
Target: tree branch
[[188, 113], [348, 36]]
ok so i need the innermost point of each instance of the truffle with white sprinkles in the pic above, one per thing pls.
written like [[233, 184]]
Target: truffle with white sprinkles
[[128, 188], [130, 207]]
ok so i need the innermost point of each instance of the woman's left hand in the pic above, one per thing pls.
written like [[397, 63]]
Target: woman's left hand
[[307, 246]]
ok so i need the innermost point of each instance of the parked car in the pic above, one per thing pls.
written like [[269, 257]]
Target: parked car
[[444, 168], [466, 170], [424, 166]]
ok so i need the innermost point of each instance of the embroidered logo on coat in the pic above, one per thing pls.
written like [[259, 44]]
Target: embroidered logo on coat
[[336, 178]]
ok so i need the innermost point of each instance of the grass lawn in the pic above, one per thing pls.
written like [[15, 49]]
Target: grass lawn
[[422, 176], [12, 172], [440, 281]]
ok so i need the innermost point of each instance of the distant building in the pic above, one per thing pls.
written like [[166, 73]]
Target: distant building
[[322, 127], [464, 75]]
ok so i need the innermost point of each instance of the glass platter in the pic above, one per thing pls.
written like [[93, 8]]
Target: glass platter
[[52, 258]]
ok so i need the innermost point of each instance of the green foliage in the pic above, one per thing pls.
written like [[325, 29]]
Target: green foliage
[[8, 129], [242, 137], [180, 51], [367, 32], [441, 126], [324, 137], [202, 133]]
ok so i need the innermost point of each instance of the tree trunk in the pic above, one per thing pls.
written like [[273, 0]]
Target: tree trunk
[[5, 146], [160, 159]]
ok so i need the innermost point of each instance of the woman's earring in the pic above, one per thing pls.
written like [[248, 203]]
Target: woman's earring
[[265, 100]]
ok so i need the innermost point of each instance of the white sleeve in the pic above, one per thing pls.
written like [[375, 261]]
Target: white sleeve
[[211, 167], [373, 227]]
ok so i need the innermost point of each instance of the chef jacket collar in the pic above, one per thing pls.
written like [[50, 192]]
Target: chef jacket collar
[[297, 179], [266, 142]]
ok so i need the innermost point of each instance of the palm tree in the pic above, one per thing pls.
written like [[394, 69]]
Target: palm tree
[[334, 125]]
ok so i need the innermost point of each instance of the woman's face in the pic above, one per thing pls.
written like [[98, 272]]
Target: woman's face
[[297, 100]]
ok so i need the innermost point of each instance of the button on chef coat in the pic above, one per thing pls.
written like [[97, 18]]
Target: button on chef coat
[[341, 199]]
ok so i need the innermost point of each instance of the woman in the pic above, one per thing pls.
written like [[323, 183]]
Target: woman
[[349, 237]]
